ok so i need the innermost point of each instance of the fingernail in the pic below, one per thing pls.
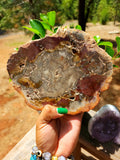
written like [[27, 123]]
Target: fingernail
[[62, 110]]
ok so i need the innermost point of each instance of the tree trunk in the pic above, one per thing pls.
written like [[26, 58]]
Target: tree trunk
[[88, 11], [81, 19], [82, 16]]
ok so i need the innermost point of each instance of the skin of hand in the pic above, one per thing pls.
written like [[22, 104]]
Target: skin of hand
[[57, 133]]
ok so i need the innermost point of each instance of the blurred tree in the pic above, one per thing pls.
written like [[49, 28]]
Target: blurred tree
[[15, 13], [103, 13], [85, 8], [105, 10], [69, 8], [42, 6], [12, 14], [115, 10]]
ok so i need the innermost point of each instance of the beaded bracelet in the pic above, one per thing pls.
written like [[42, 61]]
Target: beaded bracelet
[[38, 155]]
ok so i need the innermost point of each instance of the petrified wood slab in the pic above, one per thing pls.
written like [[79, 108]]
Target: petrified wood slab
[[67, 69]]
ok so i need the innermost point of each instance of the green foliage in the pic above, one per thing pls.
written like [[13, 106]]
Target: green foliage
[[46, 26], [35, 36], [51, 18], [110, 51], [10, 80], [12, 15], [114, 10], [108, 44], [103, 12], [118, 44], [16, 49], [93, 16], [71, 25], [39, 27], [32, 30], [78, 27], [47, 22], [97, 39], [104, 17], [69, 8], [55, 29], [16, 13], [115, 66], [109, 47]]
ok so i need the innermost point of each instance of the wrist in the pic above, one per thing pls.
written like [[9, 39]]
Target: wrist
[[38, 155]]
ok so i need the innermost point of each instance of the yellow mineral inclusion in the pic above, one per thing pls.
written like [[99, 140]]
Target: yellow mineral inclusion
[[54, 158], [28, 83]]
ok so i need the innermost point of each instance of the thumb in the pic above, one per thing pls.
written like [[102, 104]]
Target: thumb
[[48, 113]]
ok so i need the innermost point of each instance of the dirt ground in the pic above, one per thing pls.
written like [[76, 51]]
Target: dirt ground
[[16, 117]]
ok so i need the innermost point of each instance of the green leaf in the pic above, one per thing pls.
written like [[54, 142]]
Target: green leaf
[[118, 56], [44, 17], [46, 26], [71, 26], [110, 51], [36, 24], [16, 49], [32, 30], [35, 36], [97, 39], [118, 44], [103, 43], [55, 29], [78, 27], [10, 79], [116, 66], [51, 17]]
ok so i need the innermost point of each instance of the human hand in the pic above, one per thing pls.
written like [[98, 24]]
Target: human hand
[[57, 133]]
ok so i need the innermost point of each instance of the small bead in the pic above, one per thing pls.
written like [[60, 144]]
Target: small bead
[[39, 153], [61, 158], [34, 149], [46, 155], [70, 158], [54, 158], [33, 157]]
